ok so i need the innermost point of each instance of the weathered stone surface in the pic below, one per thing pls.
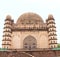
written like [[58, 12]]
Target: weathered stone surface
[[46, 53]]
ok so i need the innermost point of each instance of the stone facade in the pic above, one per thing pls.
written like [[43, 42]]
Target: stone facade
[[29, 32]]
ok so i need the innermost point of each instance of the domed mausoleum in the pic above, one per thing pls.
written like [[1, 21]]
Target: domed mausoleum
[[29, 32]]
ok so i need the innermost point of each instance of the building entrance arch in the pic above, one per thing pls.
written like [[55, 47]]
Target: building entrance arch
[[29, 42]]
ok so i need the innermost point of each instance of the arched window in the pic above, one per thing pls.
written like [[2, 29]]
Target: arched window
[[54, 46], [51, 46]]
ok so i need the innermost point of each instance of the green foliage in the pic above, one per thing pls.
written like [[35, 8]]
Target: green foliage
[[58, 45]]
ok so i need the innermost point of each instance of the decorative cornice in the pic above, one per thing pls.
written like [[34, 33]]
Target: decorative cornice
[[44, 29]]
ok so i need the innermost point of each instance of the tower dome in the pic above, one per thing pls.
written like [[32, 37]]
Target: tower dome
[[50, 16], [29, 16], [8, 17]]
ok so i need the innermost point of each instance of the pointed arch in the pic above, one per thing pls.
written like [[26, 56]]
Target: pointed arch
[[29, 42]]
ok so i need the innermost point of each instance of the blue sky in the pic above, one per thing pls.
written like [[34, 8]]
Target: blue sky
[[17, 7]]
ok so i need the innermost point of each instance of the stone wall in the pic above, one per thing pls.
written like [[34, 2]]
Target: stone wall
[[46, 53], [19, 36]]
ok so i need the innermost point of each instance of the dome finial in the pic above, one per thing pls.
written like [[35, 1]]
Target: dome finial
[[8, 17]]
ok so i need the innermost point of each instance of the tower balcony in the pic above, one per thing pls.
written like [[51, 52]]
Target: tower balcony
[[52, 34], [52, 26], [52, 30], [7, 35], [7, 27], [51, 23], [6, 40], [52, 39], [52, 43], [7, 23], [6, 44], [8, 31]]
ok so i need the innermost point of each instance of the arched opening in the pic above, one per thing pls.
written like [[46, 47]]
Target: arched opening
[[29, 43]]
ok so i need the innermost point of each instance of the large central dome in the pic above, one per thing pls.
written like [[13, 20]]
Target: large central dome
[[29, 16]]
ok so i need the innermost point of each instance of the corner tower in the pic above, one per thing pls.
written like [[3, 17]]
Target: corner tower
[[6, 42], [51, 32]]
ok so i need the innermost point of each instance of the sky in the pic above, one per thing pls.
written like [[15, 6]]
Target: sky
[[15, 8]]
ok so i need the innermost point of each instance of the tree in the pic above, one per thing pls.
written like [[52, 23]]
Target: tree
[[58, 45]]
